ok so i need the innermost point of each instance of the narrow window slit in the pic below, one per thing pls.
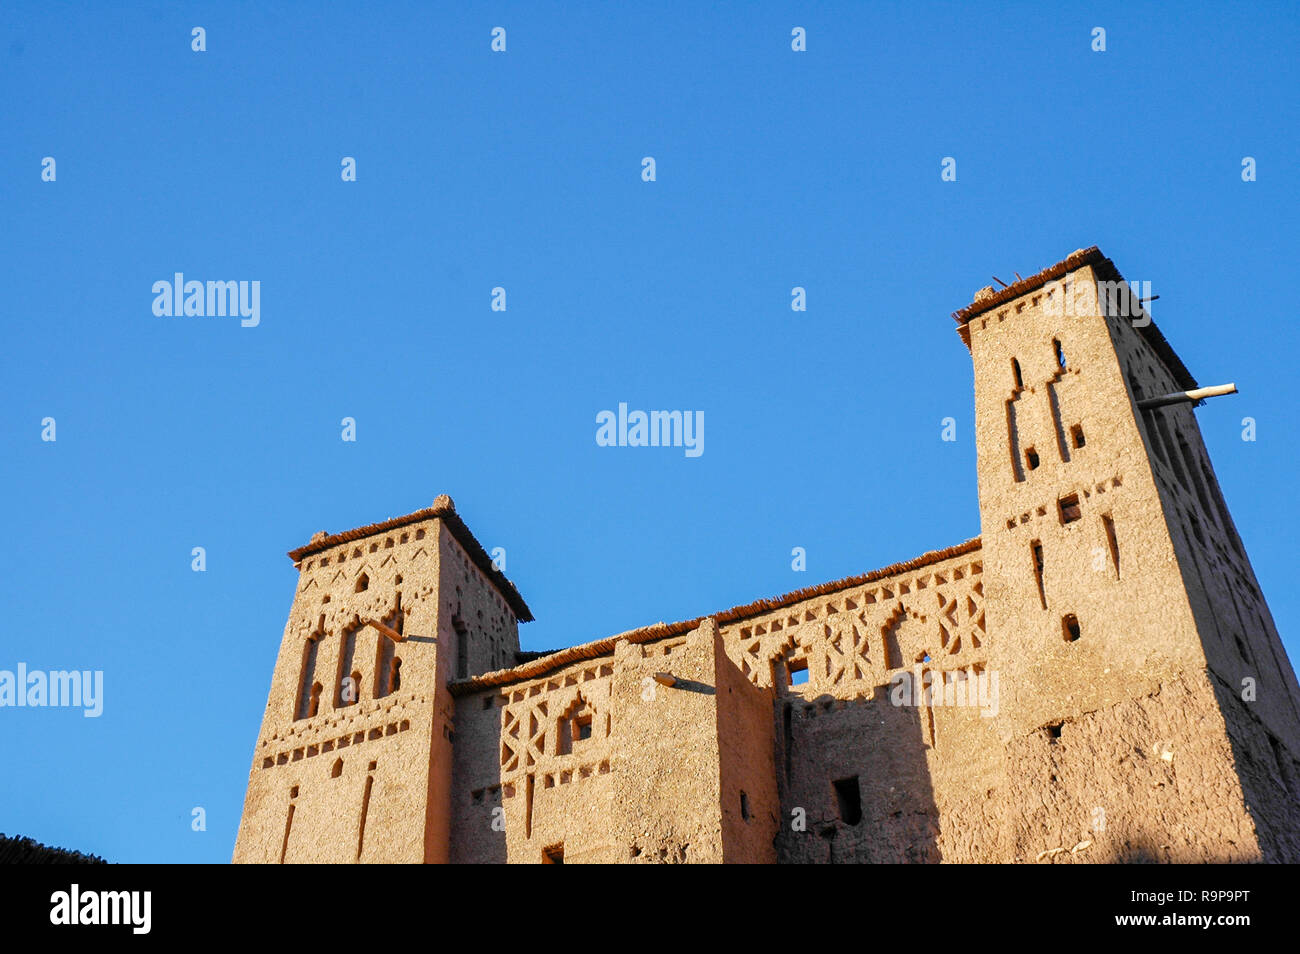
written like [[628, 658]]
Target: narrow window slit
[[1036, 549], [1112, 541]]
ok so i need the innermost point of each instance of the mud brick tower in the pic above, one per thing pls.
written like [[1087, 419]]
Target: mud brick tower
[[1095, 678], [354, 759]]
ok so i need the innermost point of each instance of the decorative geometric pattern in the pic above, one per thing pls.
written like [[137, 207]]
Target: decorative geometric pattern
[[858, 637]]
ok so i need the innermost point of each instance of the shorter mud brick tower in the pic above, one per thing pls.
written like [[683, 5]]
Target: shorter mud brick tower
[[1095, 678]]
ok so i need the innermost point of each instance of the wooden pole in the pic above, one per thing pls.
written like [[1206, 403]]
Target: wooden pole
[[392, 634], [1179, 397]]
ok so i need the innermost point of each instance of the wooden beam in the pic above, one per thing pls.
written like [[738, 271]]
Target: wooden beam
[[392, 634], [1178, 397]]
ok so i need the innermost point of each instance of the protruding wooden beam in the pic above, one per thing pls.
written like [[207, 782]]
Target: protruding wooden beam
[[392, 634], [665, 679], [1178, 397]]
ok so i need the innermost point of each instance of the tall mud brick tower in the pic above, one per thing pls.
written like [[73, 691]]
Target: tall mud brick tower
[[1095, 678], [1143, 681], [354, 759]]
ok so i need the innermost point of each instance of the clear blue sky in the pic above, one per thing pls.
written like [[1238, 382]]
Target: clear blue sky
[[522, 170]]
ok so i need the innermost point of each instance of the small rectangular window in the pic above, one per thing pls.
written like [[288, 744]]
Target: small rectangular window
[[553, 855], [744, 806], [1069, 507], [798, 672], [1031, 458], [848, 799], [1076, 433], [1070, 627]]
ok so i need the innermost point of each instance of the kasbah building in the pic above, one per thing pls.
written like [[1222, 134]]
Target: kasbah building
[[1126, 695]]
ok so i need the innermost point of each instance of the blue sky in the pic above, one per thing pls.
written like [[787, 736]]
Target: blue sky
[[522, 170]]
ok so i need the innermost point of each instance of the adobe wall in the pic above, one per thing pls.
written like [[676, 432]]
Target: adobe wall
[[507, 737], [1151, 778], [1148, 779], [911, 761], [747, 781], [668, 770], [659, 779]]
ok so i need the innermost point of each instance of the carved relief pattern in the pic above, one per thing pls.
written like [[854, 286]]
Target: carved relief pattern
[[857, 637], [530, 719]]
